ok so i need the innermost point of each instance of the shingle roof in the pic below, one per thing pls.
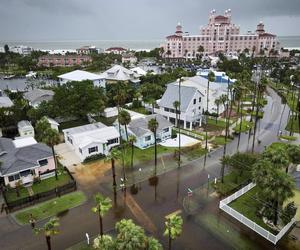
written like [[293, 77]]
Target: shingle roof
[[24, 123], [84, 128], [15, 159], [79, 75], [171, 95], [140, 126], [39, 95], [119, 73], [5, 102]]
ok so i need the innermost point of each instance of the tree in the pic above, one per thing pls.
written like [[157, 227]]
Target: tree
[[241, 162], [153, 244], [132, 140], [49, 136], [225, 161], [130, 236], [288, 213], [103, 204], [275, 187], [124, 119], [173, 228], [210, 78], [104, 242], [6, 49], [114, 155], [153, 125], [218, 103], [49, 229], [277, 156]]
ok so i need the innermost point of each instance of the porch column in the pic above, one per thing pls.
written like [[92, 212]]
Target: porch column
[[191, 125], [184, 124]]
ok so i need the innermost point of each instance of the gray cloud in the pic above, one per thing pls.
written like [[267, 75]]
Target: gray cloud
[[135, 19]]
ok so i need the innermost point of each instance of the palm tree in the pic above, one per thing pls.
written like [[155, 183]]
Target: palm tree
[[124, 119], [225, 161], [103, 204], [210, 78], [218, 103], [173, 228], [132, 140], [114, 155], [49, 136], [153, 125], [49, 229], [176, 106]]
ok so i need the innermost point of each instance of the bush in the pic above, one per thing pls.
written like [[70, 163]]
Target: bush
[[136, 104], [94, 158]]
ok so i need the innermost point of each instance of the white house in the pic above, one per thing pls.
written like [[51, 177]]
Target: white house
[[91, 139], [23, 159], [25, 129], [138, 127], [119, 73], [139, 71], [193, 100], [129, 58], [81, 75], [53, 124]]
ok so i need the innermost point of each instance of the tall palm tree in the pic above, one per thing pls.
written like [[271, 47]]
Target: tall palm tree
[[173, 228], [210, 78], [49, 229], [49, 136], [153, 125], [176, 106], [124, 119], [114, 155], [103, 204], [218, 103], [132, 140]]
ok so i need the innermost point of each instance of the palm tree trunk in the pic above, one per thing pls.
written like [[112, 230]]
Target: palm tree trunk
[[170, 241], [155, 153], [206, 114], [48, 241], [55, 162], [100, 223], [126, 132], [276, 213], [132, 152], [113, 172]]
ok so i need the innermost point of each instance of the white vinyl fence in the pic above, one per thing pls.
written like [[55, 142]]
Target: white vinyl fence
[[249, 223]]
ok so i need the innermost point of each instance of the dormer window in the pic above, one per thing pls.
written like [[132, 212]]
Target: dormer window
[[43, 162]]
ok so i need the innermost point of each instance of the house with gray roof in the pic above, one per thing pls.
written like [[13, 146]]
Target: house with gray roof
[[5, 101], [24, 159], [193, 99], [36, 96], [138, 127]]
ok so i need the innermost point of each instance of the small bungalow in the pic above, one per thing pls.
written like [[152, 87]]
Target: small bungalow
[[53, 124], [25, 129], [138, 127], [91, 139], [24, 159]]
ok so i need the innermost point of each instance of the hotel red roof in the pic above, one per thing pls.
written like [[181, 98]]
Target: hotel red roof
[[267, 35], [174, 36], [116, 48]]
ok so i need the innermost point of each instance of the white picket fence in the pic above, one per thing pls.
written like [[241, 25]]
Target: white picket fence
[[249, 223]]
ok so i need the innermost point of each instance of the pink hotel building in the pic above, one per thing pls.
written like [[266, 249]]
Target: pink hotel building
[[220, 35]]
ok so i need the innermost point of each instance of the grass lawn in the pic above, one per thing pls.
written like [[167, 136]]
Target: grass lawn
[[193, 152], [11, 194], [218, 123], [288, 138], [51, 207], [295, 199], [246, 125], [220, 140], [141, 110], [71, 124], [248, 205], [232, 181], [227, 233], [141, 155], [295, 123], [51, 183]]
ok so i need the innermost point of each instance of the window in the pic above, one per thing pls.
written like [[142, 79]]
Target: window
[[80, 150], [199, 99], [112, 141], [43, 162], [166, 130], [195, 101], [93, 149], [167, 109], [148, 138], [25, 173]]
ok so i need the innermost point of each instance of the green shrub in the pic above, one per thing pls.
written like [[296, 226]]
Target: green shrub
[[93, 158]]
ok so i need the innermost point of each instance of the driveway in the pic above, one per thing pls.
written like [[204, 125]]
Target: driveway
[[186, 141], [67, 156]]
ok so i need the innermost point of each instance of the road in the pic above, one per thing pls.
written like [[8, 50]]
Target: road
[[170, 191]]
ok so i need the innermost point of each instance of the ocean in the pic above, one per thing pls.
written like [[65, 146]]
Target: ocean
[[286, 42]]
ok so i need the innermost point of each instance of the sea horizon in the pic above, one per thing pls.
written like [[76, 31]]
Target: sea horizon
[[134, 44]]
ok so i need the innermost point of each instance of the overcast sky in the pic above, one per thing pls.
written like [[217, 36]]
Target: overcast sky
[[39, 20]]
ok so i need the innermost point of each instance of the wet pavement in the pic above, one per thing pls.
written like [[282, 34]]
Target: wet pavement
[[149, 206]]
